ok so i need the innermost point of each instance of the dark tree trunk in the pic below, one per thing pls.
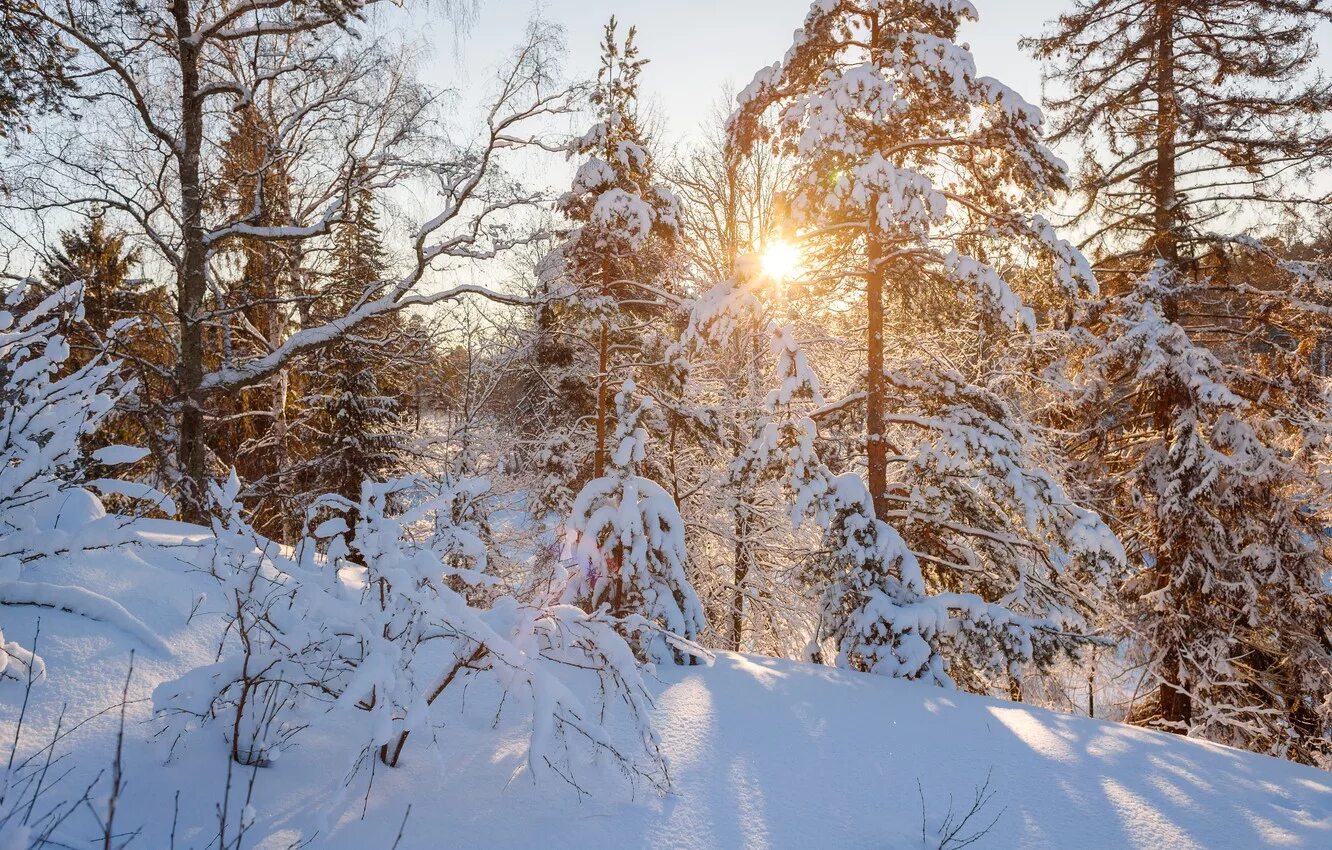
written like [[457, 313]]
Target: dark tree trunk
[[743, 560], [1173, 704], [1167, 124], [191, 276], [603, 401]]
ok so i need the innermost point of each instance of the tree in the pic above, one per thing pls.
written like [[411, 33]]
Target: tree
[[913, 181], [1188, 111], [35, 71], [728, 215], [1206, 421], [258, 282], [102, 262], [358, 425], [125, 316], [629, 545], [1216, 473], [158, 73]]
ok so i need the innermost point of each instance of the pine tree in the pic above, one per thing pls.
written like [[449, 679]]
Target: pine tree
[[1188, 112], [126, 316], [1214, 470], [958, 557], [253, 430], [628, 544], [1201, 411], [35, 71]]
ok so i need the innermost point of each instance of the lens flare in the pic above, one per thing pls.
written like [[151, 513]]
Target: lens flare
[[781, 261]]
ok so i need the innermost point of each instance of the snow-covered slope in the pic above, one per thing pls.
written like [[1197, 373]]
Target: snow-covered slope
[[764, 753]]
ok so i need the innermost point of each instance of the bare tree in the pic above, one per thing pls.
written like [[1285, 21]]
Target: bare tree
[[164, 78]]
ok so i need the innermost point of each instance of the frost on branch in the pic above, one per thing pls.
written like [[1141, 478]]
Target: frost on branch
[[980, 569], [628, 546], [915, 182]]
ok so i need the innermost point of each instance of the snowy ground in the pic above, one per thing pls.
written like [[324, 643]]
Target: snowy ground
[[764, 753]]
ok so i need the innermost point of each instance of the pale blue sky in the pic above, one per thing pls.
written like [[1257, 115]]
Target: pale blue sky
[[697, 45]]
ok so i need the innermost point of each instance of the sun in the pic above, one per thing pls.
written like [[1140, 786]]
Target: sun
[[781, 261]]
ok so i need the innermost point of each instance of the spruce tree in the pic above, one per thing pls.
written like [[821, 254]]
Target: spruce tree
[[609, 269], [628, 544], [102, 259], [1188, 112], [252, 432], [1213, 469], [356, 398]]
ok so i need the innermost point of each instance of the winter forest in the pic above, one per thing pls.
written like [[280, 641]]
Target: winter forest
[[398, 458]]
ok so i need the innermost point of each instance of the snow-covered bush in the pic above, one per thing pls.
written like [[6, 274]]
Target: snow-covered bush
[[371, 616], [277, 655], [45, 514]]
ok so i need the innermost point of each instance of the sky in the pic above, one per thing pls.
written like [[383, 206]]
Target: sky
[[696, 49], [694, 46]]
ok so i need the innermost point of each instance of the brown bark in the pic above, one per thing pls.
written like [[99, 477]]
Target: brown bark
[[390, 758], [743, 560], [1167, 122], [876, 445], [1174, 705]]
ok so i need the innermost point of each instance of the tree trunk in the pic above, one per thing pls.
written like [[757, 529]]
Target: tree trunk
[[743, 558], [1167, 123], [603, 401], [1174, 705], [876, 446], [191, 281]]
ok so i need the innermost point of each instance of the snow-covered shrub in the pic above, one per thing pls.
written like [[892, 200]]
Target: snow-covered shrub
[[277, 654], [368, 617], [45, 514], [628, 544], [41, 798], [422, 552]]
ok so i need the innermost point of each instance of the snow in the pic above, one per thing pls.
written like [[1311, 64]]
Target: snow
[[762, 753]]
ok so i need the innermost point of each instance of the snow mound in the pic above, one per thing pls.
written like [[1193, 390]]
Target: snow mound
[[763, 753]]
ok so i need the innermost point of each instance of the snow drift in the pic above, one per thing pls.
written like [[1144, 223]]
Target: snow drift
[[762, 753]]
